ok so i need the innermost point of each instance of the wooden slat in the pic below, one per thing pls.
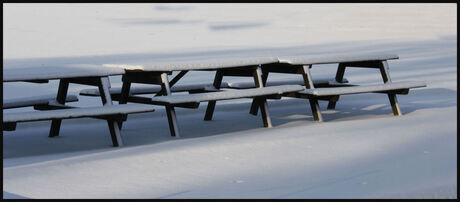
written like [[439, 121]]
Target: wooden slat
[[364, 89], [76, 112], [229, 94]]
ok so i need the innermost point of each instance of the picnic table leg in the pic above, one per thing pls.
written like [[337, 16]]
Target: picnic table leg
[[262, 102], [305, 70], [172, 82], [124, 96], [60, 98], [384, 70], [104, 85], [212, 104], [254, 105], [338, 78], [170, 112]]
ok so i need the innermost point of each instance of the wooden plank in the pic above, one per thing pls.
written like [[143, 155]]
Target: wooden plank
[[339, 78], [72, 113], [35, 100], [228, 94], [155, 89], [104, 86], [60, 98], [170, 112], [335, 58], [317, 82], [42, 72], [394, 87], [173, 81], [309, 85], [212, 104], [262, 102]]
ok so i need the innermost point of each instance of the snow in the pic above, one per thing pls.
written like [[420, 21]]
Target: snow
[[180, 64], [152, 89], [30, 101], [364, 88], [75, 112], [228, 94], [297, 81], [334, 58], [360, 150], [51, 71]]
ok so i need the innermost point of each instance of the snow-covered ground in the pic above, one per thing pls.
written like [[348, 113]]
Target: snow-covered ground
[[360, 150]]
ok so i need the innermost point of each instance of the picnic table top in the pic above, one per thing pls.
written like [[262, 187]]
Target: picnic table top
[[49, 72], [201, 63], [227, 61], [335, 58]]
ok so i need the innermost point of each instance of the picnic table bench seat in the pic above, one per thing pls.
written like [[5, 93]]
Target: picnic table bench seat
[[70, 113], [226, 95], [396, 87], [317, 82], [34, 101], [193, 100], [108, 112], [154, 89]]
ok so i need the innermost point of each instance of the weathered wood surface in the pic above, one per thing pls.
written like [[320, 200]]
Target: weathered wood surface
[[364, 88], [153, 89], [228, 94], [76, 112], [32, 101], [49, 72]]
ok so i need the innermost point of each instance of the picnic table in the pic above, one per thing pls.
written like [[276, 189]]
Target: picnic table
[[302, 64], [54, 107], [154, 72]]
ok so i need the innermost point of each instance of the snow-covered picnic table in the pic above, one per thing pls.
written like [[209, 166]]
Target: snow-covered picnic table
[[302, 64], [155, 72], [55, 107]]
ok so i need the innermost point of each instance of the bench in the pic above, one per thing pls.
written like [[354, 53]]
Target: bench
[[333, 94], [302, 64], [107, 112], [317, 82], [55, 109], [155, 72], [395, 87], [116, 92], [34, 101], [171, 101]]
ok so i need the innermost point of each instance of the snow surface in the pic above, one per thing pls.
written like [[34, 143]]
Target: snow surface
[[334, 58], [179, 64], [228, 94], [360, 150], [365, 88], [76, 112], [30, 101], [152, 89], [297, 81], [51, 71]]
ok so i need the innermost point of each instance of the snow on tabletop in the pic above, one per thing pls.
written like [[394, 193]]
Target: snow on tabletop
[[177, 64], [334, 58], [76, 112], [47, 72], [29, 101], [364, 89], [229, 94]]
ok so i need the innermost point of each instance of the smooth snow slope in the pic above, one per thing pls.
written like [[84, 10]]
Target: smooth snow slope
[[360, 150]]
